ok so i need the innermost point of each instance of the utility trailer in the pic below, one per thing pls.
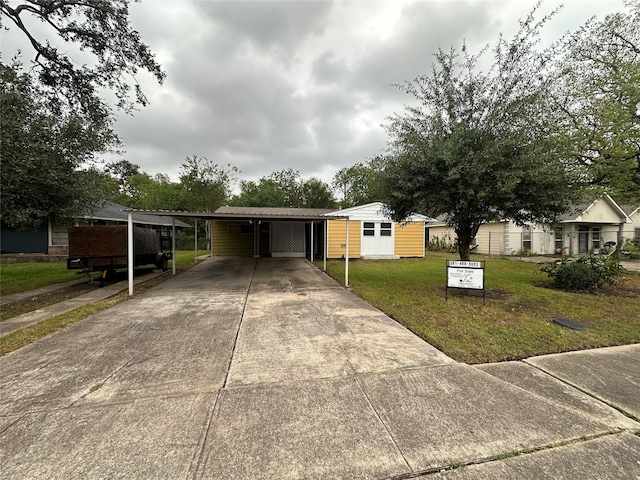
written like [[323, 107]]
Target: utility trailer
[[104, 249]]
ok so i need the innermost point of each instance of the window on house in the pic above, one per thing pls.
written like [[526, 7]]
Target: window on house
[[637, 234], [559, 244], [368, 229], [526, 238], [385, 229], [240, 228], [595, 232]]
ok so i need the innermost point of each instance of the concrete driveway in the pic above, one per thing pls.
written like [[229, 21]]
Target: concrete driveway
[[267, 368]]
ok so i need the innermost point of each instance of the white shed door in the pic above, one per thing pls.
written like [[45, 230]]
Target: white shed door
[[377, 238], [287, 239]]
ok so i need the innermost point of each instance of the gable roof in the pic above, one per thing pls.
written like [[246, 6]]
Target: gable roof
[[114, 212], [576, 213], [376, 209]]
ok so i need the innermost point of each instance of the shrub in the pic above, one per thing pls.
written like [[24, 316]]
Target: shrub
[[444, 245], [576, 276], [580, 274]]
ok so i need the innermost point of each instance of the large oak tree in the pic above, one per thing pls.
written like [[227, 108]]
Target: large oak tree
[[481, 146]]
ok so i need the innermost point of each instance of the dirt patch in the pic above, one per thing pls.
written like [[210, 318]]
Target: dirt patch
[[491, 293], [30, 304]]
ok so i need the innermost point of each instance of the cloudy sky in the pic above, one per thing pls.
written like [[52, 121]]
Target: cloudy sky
[[268, 85]]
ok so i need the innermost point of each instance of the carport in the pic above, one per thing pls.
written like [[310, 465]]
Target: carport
[[254, 217]]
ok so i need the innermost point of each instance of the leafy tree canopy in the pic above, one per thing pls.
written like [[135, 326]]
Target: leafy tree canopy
[[360, 183], [285, 188], [481, 146], [206, 185], [44, 156], [599, 90], [100, 27]]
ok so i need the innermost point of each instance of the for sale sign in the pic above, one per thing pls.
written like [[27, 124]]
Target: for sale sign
[[465, 275]]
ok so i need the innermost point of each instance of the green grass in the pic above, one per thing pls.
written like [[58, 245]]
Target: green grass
[[18, 277], [515, 323]]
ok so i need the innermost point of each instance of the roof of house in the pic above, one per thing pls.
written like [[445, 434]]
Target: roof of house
[[629, 209], [118, 213]]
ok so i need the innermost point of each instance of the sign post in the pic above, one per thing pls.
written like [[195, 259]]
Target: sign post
[[465, 275]]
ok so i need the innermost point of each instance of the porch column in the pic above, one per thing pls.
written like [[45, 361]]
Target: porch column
[[211, 236]]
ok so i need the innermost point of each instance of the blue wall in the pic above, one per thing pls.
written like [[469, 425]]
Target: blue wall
[[25, 241]]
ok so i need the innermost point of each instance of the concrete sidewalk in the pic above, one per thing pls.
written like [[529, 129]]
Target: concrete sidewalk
[[31, 318], [267, 368]]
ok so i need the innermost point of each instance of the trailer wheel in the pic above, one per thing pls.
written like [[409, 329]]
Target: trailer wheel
[[162, 262]]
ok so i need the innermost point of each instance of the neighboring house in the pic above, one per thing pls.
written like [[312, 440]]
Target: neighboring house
[[633, 213], [297, 232], [592, 228], [52, 237]]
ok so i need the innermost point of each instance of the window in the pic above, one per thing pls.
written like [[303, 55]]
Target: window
[[385, 229], [595, 232], [559, 244], [526, 238], [637, 234], [368, 229], [240, 228]]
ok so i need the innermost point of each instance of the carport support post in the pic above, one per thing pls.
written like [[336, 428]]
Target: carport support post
[[326, 248], [173, 243], [346, 258], [195, 244], [130, 251], [311, 249]]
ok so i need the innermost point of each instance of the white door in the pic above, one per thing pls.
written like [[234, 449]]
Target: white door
[[377, 238]]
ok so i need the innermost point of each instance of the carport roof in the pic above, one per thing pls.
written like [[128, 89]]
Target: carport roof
[[249, 213]]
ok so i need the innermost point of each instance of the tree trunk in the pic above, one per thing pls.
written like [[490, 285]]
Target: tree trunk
[[465, 234]]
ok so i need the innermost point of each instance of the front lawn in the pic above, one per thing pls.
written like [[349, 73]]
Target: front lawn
[[516, 321]]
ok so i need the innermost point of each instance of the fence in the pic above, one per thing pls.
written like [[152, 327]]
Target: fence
[[527, 243], [580, 242]]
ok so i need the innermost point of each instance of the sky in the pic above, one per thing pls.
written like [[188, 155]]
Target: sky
[[307, 85]]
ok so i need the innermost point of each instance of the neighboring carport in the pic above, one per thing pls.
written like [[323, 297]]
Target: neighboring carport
[[252, 215]]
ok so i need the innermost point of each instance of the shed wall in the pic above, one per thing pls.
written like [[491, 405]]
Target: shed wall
[[337, 235], [409, 239]]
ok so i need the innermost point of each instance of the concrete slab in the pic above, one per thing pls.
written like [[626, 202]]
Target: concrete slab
[[151, 438], [313, 429], [611, 457], [309, 333], [610, 374], [170, 359], [457, 413], [290, 274], [217, 275], [544, 385]]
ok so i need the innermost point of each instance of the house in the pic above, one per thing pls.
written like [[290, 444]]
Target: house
[[52, 237], [300, 232], [591, 228]]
